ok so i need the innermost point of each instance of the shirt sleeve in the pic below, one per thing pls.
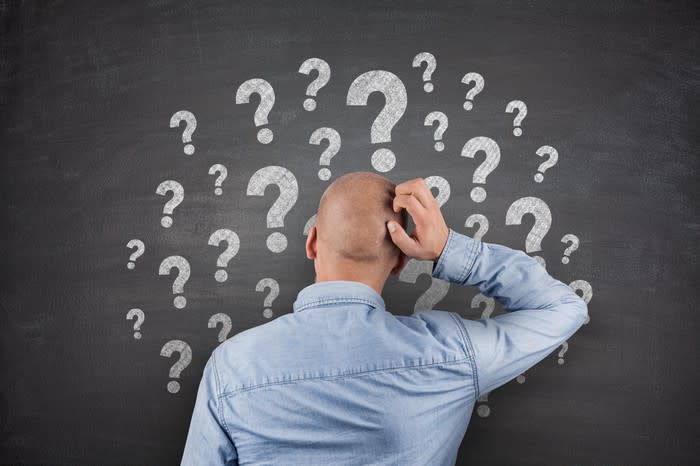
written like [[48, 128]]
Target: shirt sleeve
[[542, 312], [208, 442]]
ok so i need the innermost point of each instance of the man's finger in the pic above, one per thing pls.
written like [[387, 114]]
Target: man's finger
[[418, 188], [408, 245], [411, 204]]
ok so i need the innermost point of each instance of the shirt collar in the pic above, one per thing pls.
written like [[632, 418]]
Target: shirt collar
[[335, 292]]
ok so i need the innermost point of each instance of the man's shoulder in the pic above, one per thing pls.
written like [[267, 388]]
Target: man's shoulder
[[253, 338], [245, 357], [435, 320], [444, 326]]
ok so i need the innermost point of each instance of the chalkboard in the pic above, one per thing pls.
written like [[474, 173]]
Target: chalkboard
[[108, 111]]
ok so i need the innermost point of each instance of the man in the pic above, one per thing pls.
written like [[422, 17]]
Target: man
[[342, 381]]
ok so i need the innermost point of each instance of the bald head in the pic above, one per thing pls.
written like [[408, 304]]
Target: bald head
[[352, 216]]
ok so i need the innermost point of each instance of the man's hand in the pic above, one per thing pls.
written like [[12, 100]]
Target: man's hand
[[430, 235]]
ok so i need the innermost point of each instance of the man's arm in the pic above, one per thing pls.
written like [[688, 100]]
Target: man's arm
[[548, 311], [542, 312], [207, 440]]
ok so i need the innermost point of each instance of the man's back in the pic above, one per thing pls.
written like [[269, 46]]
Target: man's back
[[347, 383], [342, 381]]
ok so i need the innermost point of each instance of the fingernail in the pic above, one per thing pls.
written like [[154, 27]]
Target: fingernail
[[391, 227]]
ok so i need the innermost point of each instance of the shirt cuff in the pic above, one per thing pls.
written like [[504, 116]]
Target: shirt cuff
[[457, 258]]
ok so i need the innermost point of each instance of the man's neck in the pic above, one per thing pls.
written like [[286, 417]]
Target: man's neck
[[376, 283]]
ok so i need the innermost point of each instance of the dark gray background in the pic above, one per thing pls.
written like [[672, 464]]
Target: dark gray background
[[87, 95]]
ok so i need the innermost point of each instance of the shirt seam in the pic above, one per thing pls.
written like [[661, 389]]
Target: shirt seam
[[219, 406], [336, 300], [443, 257], [468, 350], [343, 376], [472, 257]]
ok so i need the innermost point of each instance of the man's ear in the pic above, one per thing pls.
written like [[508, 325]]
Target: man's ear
[[311, 243], [400, 264]]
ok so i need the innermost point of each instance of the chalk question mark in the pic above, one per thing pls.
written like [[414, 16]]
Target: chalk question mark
[[442, 186], [441, 118], [562, 352], [549, 163], [324, 75], [480, 220], [289, 192], [333, 139], [190, 126], [489, 305], [178, 195], [232, 245], [429, 60], [483, 410], [183, 274], [140, 317], [478, 81], [574, 246], [543, 220], [274, 288], [394, 92], [586, 290], [223, 173], [522, 112], [437, 290], [493, 157], [225, 322], [267, 100], [140, 248], [177, 346]]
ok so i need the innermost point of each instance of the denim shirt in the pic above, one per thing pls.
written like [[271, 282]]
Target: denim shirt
[[342, 381]]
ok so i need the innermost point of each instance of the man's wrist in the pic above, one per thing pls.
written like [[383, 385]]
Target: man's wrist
[[444, 244]]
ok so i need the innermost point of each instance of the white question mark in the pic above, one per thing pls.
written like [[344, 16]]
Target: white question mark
[[441, 118], [225, 322], [543, 220], [478, 81], [493, 157], [178, 195], [489, 303], [587, 291], [396, 100], [223, 173], [140, 248], [190, 126], [183, 267], [431, 63], [574, 246], [274, 287], [324, 75], [550, 162], [140, 317], [433, 295], [233, 244], [333, 139], [442, 186], [483, 410], [483, 223], [183, 361], [309, 223], [267, 100], [289, 192], [522, 112], [562, 352]]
